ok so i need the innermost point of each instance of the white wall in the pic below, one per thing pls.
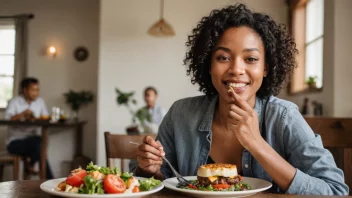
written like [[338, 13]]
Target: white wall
[[343, 65], [65, 24], [131, 59]]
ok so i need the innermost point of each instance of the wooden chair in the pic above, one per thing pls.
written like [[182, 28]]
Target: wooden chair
[[118, 146], [14, 160], [336, 134]]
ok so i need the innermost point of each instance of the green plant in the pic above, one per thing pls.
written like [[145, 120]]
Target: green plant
[[78, 99], [126, 99], [311, 81]]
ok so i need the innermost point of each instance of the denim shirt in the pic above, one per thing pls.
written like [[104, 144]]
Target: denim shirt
[[186, 135]]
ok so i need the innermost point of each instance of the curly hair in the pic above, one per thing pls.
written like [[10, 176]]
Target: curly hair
[[280, 49]]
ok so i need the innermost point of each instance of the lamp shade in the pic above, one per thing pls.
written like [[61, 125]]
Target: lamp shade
[[161, 28]]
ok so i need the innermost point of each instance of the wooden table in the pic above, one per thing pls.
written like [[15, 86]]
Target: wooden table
[[45, 125], [30, 189]]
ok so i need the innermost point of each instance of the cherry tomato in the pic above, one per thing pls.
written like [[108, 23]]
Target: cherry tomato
[[136, 189]]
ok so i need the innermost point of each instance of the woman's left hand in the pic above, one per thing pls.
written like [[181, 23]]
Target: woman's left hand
[[243, 121]]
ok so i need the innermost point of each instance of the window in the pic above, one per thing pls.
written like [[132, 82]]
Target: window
[[314, 41], [307, 27], [7, 62]]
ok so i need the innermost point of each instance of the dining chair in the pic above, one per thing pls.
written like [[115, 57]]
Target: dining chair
[[336, 134], [8, 159], [119, 147]]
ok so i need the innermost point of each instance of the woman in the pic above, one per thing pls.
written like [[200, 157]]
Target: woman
[[264, 136]]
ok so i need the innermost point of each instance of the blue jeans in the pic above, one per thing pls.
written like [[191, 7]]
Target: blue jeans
[[29, 147]]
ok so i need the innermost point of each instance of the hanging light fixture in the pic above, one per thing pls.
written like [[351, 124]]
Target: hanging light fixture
[[161, 28]]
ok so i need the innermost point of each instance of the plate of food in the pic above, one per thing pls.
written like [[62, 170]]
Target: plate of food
[[218, 180], [101, 182]]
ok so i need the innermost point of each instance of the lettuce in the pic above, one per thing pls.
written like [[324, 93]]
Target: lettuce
[[125, 176], [91, 186], [148, 184], [104, 170]]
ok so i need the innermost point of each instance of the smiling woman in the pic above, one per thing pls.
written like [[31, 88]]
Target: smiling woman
[[241, 59]]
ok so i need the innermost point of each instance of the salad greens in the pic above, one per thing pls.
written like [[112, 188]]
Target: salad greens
[[126, 176], [148, 184], [208, 188], [237, 187], [91, 186], [246, 186], [104, 170]]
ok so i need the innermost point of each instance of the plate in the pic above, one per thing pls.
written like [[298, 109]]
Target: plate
[[50, 188], [258, 185]]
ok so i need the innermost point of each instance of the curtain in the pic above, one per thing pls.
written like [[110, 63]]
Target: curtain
[[21, 49]]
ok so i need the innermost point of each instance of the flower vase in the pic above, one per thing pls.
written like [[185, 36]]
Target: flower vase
[[75, 116]]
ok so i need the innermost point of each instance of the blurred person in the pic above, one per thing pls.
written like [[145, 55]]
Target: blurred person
[[157, 112], [23, 140]]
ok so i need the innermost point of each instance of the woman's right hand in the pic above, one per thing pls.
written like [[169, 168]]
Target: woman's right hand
[[149, 155]]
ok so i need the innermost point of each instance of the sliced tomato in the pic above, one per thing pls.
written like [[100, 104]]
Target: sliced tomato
[[114, 184], [76, 177], [192, 186], [136, 189], [221, 186]]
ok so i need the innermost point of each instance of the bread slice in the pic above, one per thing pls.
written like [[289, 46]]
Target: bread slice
[[216, 170]]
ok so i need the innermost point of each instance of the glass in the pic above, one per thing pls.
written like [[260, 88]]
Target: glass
[[55, 114]]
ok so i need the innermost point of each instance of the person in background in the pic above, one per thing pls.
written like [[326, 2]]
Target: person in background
[[23, 140], [157, 112]]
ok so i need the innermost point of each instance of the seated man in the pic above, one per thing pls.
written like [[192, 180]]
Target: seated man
[[23, 140], [157, 113]]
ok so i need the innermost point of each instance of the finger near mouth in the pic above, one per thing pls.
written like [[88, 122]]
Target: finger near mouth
[[237, 87]]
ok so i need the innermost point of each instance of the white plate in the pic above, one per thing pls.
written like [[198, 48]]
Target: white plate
[[257, 185], [50, 187]]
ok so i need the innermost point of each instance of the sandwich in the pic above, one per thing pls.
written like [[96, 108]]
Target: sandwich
[[214, 174]]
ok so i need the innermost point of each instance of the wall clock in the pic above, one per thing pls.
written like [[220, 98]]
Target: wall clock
[[81, 54]]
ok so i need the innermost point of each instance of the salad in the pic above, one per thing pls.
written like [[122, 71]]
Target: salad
[[103, 180], [240, 186]]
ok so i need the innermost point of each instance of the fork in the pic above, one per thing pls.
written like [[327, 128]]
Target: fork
[[182, 181]]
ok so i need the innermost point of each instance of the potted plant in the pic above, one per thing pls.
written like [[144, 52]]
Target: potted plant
[[139, 117], [76, 100], [311, 81]]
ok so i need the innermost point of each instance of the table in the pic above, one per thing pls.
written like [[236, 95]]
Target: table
[[78, 126], [30, 189]]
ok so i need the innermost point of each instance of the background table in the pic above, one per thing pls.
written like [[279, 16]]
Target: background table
[[45, 125]]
